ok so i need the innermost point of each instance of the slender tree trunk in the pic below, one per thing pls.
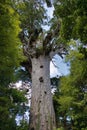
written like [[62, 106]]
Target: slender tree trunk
[[65, 123], [42, 115]]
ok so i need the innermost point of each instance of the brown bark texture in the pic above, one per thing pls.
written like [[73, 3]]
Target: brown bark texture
[[42, 116]]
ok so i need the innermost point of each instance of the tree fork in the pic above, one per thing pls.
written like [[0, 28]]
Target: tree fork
[[40, 52]]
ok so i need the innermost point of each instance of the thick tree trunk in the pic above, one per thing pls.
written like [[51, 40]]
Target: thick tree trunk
[[42, 115]]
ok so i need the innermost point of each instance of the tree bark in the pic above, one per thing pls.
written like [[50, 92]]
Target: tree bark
[[42, 115]]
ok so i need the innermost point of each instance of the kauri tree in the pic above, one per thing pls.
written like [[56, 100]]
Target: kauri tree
[[39, 46]]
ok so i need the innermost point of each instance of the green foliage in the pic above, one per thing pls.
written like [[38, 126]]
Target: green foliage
[[72, 91], [10, 57], [23, 75], [10, 45], [73, 17], [71, 97], [24, 126], [32, 15], [17, 95], [60, 128], [10, 99]]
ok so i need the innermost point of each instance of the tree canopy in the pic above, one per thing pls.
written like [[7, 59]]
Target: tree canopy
[[10, 45], [10, 57], [73, 17], [71, 97]]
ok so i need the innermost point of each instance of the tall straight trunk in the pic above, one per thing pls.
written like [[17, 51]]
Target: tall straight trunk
[[42, 115]]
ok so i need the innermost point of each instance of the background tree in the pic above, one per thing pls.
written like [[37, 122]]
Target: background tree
[[71, 108], [10, 44], [73, 17], [72, 103], [10, 57]]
